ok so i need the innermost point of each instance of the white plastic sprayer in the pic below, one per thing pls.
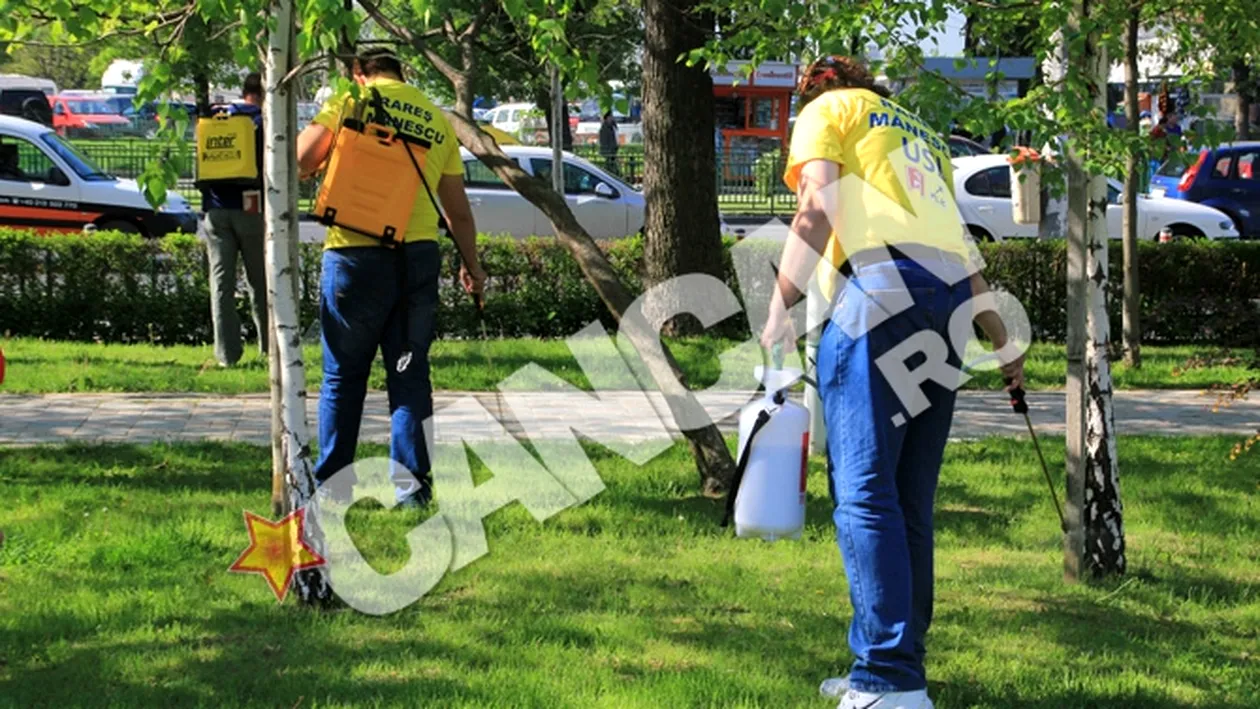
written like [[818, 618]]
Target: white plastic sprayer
[[767, 498]]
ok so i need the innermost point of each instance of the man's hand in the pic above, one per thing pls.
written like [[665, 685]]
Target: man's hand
[[779, 329], [474, 279], [1014, 374]]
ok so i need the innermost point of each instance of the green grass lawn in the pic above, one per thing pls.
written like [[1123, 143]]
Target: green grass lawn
[[37, 366], [114, 591]]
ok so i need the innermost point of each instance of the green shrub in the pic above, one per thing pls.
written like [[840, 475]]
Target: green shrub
[[123, 288], [768, 173]]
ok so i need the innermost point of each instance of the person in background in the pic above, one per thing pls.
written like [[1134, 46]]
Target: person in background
[[1167, 131], [907, 262], [1169, 124], [361, 291], [608, 145], [232, 227]]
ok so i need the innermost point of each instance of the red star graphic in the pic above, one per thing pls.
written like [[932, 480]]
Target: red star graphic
[[277, 550]]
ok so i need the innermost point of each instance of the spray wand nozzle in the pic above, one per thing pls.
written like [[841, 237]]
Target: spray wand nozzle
[[1020, 405]]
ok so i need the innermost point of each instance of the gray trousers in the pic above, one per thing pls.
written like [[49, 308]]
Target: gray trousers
[[227, 233]]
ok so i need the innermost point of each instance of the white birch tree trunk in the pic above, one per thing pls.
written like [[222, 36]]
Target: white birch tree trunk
[[1054, 209], [1104, 530], [1094, 546], [280, 168]]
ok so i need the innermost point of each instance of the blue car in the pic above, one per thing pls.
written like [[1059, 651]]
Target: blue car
[[1226, 178]]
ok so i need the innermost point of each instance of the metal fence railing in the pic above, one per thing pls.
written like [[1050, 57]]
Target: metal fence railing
[[747, 183]]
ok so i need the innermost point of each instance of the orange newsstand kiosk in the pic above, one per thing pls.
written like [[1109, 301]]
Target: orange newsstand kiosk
[[751, 116]]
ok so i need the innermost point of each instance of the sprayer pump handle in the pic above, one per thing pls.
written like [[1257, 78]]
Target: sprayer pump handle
[[1018, 403]]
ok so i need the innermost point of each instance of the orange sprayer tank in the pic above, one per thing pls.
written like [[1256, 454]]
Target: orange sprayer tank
[[371, 183]]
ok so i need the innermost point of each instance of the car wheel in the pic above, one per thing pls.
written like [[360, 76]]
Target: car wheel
[[120, 225], [979, 233], [1185, 231]]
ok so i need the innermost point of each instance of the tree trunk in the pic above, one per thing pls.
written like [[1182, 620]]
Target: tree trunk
[[464, 94], [279, 497], [280, 204], [713, 458], [679, 175], [201, 93], [1242, 87], [1095, 539], [1136, 168], [1054, 209], [544, 100]]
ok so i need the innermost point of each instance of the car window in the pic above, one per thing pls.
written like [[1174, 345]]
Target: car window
[[1113, 194], [22, 161], [576, 180], [978, 184], [80, 163], [994, 182], [1247, 166], [1221, 169], [93, 108], [59, 109], [476, 174]]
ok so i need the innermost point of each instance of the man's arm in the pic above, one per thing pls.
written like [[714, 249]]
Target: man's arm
[[459, 218], [811, 228], [314, 144], [995, 330]]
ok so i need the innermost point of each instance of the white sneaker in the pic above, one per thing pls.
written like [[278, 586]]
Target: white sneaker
[[834, 687], [889, 700]]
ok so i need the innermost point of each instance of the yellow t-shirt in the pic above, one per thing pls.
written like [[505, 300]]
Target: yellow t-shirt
[[896, 182], [410, 113]]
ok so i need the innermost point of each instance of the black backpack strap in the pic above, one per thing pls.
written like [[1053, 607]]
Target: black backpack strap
[[762, 419]]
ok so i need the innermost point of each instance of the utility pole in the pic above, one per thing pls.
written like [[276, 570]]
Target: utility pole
[[1094, 545]]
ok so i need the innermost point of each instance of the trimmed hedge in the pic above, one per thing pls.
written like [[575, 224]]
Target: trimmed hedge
[[123, 288]]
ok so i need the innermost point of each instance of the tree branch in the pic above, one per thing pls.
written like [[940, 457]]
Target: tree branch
[[415, 41], [475, 25]]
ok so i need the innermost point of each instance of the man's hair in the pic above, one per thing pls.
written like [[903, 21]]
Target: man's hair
[[608, 114], [252, 86], [377, 61], [836, 72]]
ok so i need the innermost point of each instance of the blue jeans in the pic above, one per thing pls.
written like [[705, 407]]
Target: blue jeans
[[359, 311], [883, 476]]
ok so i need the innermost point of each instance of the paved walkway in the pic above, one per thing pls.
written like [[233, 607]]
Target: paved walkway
[[621, 416]]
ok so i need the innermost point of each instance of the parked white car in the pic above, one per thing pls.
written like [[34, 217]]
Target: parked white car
[[47, 184], [982, 188], [511, 117], [604, 205]]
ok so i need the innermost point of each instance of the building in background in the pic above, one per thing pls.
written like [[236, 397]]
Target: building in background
[[753, 111]]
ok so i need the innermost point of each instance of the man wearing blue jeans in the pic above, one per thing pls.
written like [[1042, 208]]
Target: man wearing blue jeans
[[372, 296], [875, 198]]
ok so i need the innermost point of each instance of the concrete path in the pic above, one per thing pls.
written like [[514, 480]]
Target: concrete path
[[620, 416]]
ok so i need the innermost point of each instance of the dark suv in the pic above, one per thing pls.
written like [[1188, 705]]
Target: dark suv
[[30, 104]]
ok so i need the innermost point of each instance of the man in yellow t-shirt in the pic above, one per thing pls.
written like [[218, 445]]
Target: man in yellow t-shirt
[[374, 296], [875, 192]]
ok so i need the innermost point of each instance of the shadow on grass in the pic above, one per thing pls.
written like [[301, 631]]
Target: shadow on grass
[[237, 658]]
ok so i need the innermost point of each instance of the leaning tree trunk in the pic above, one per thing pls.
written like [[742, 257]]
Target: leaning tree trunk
[[713, 459], [280, 204], [679, 163], [1243, 88], [1136, 169], [1095, 533]]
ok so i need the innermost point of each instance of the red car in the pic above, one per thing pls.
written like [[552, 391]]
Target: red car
[[84, 113]]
